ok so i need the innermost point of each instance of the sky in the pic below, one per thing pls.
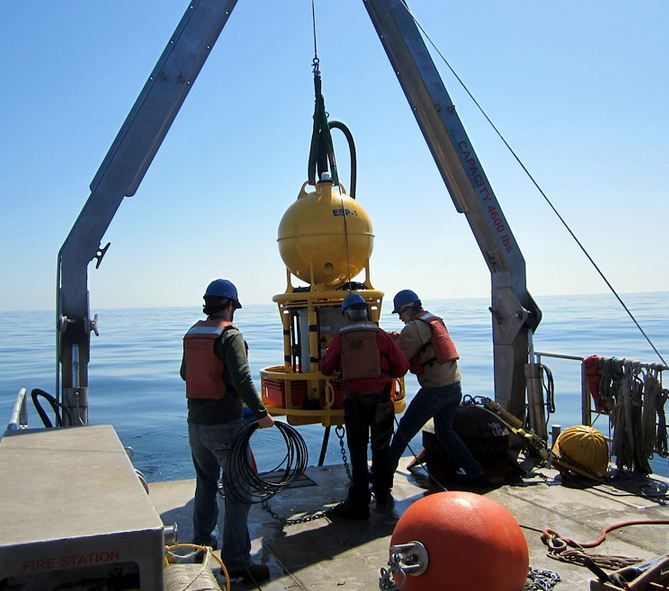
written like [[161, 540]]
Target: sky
[[579, 89]]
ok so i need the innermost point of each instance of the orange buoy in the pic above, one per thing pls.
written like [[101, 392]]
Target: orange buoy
[[473, 543]]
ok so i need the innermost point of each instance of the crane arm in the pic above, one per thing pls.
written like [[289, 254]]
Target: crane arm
[[119, 176], [514, 312]]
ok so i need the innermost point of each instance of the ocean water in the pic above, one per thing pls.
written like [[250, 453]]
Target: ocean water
[[135, 384]]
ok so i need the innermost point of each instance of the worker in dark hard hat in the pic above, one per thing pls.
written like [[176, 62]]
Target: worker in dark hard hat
[[218, 380], [368, 359], [434, 359]]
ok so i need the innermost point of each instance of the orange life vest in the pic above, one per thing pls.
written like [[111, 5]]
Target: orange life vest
[[360, 355], [443, 347], [204, 370]]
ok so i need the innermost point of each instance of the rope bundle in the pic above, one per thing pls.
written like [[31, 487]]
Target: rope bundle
[[242, 477], [632, 393], [180, 576]]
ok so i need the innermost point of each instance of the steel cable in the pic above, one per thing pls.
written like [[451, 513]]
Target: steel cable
[[242, 478], [535, 183]]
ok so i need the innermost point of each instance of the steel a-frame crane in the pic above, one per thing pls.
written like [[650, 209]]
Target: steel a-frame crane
[[514, 312]]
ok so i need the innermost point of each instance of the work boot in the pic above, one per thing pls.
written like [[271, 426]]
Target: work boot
[[384, 501], [200, 554], [252, 573], [478, 481], [349, 510]]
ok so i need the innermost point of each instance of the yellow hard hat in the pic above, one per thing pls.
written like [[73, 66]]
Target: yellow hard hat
[[584, 447]]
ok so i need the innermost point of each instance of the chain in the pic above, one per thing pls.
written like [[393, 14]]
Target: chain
[[394, 577], [387, 581], [320, 513], [306, 518], [541, 580], [581, 558], [313, 24], [405, 559], [339, 431]]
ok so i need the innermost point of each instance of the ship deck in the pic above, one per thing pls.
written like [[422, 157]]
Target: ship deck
[[326, 553]]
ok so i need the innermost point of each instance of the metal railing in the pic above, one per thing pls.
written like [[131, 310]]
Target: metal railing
[[19, 417], [586, 407], [587, 411]]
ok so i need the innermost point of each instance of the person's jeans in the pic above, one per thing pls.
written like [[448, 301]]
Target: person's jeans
[[438, 403], [365, 413], [210, 446]]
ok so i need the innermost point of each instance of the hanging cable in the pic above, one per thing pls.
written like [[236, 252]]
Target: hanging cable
[[313, 26], [352, 154], [348, 256], [418, 458], [354, 171], [548, 384], [242, 478], [534, 182], [321, 153]]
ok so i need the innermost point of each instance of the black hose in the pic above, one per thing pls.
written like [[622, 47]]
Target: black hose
[[56, 406], [241, 477], [352, 155], [549, 387]]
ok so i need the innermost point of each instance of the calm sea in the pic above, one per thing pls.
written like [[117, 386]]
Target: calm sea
[[135, 383]]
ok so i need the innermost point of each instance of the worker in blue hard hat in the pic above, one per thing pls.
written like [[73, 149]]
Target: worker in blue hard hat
[[433, 357], [368, 359], [218, 381]]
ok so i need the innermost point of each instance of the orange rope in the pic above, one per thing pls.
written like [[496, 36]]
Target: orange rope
[[549, 534]]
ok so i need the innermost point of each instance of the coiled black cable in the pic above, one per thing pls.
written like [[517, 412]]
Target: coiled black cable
[[57, 407], [242, 479], [548, 384]]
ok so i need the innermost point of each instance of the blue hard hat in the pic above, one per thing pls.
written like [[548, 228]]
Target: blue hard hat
[[402, 298], [352, 299], [222, 288]]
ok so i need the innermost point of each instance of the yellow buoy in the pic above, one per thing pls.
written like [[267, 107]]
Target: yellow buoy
[[583, 449], [325, 237]]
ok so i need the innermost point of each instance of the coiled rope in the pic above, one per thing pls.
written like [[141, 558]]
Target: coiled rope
[[655, 398], [188, 576], [661, 441], [242, 477]]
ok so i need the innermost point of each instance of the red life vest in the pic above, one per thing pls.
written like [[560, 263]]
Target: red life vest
[[204, 370], [593, 377], [443, 347], [360, 355]]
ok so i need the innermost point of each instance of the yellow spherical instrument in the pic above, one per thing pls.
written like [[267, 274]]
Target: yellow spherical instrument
[[582, 448], [325, 238]]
